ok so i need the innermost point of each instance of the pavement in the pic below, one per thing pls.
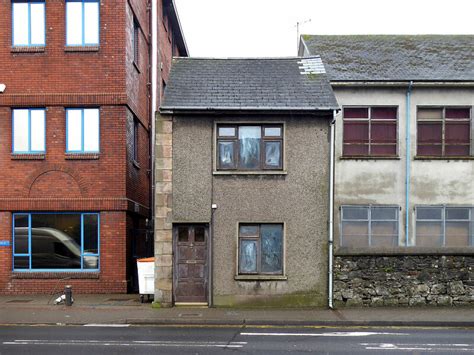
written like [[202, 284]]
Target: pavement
[[118, 309]]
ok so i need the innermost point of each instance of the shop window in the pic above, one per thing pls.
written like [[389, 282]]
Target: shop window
[[57, 242]]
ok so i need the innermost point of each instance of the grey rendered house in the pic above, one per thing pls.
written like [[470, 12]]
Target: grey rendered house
[[243, 183], [404, 167]]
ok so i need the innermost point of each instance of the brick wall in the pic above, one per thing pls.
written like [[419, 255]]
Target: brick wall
[[56, 77]]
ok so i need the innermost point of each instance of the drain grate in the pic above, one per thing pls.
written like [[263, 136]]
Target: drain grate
[[19, 301]]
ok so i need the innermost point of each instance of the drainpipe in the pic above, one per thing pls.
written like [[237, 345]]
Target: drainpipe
[[331, 210], [407, 158]]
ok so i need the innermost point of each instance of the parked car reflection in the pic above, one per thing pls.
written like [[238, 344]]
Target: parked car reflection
[[51, 249]]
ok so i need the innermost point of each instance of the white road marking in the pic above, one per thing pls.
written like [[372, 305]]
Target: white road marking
[[122, 343], [107, 325], [420, 347], [333, 334]]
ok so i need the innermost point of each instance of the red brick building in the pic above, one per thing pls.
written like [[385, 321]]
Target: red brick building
[[76, 126]]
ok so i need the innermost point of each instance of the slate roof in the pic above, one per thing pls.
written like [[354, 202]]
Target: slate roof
[[395, 57], [291, 84]]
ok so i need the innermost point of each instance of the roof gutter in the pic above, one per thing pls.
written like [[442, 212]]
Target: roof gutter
[[401, 84], [195, 109]]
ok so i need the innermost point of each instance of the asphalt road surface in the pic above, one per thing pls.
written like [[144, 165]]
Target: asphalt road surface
[[94, 339]]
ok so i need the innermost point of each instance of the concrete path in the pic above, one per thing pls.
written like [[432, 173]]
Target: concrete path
[[127, 309]]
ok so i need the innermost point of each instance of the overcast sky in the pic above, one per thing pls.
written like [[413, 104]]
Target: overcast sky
[[267, 28]]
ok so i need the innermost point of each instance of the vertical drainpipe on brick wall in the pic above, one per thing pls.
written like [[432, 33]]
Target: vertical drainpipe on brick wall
[[408, 162], [331, 211], [153, 16]]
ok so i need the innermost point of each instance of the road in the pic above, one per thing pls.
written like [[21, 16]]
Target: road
[[93, 339]]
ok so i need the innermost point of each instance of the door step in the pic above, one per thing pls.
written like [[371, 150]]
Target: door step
[[192, 304]]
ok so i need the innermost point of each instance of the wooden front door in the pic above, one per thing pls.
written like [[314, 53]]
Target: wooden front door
[[190, 263]]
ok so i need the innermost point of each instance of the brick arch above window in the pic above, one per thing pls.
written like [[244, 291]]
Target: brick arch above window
[[64, 172]]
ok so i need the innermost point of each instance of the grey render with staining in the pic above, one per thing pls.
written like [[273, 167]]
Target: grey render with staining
[[376, 71]]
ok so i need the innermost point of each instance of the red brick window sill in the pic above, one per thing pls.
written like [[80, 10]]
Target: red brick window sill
[[82, 156], [81, 48], [28, 156], [39, 49], [55, 275]]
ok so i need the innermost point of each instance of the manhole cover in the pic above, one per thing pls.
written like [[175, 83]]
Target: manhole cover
[[19, 301]]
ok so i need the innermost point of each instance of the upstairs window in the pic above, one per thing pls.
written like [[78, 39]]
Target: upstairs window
[[29, 130], [442, 226], [444, 131], [250, 147], [135, 38], [82, 130], [82, 22], [28, 23], [370, 131], [375, 226]]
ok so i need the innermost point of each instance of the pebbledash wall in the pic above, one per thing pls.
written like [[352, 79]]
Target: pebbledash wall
[[111, 183]]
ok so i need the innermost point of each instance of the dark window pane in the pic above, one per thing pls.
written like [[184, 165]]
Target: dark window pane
[[226, 155], [356, 150], [355, 213], [272, 131], [384, 113], [382, 132], [249, 141], [91, 233], [384, 213], [457, 132], [434, 213], [199, 234], [429, 150], [56, 241], [383, 150], [456, 150], [273, 154], [429, 132], [356, 112], [226, 131], [182, 234], [457, 213], [271, 244], [249, 231], [21, 234], [356, 132], [458, 113], [248, 256], [430, 113], [21, 262]]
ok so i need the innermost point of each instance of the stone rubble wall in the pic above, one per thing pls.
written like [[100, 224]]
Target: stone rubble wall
[[414, 280]]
